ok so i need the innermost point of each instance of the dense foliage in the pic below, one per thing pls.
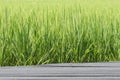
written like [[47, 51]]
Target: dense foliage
[[59, 31]]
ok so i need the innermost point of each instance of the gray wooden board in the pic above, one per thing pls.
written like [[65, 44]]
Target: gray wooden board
[[69, 71]]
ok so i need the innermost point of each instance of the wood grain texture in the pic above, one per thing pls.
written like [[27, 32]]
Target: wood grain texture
[[69, 71]]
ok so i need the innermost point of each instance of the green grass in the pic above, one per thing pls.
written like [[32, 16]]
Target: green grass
[[59, 31]]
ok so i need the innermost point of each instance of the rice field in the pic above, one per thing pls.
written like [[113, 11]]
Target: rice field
[[34, 32]]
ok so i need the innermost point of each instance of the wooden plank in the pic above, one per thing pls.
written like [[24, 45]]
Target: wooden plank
[[59, 78], [81, 71], [105, 64]]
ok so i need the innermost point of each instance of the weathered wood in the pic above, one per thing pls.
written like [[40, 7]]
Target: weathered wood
[[81, 71], [60, 78]]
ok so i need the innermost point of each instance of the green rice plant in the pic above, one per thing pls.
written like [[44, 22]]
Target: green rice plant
[[34, 32]]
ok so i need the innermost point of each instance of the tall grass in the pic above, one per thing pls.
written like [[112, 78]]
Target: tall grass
[[59, 31]]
